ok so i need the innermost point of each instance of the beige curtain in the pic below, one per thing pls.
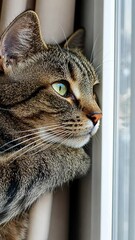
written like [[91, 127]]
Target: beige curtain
[[57, 21]]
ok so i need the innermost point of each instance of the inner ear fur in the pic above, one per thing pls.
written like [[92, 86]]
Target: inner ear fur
[[21, 39], [76, 40]]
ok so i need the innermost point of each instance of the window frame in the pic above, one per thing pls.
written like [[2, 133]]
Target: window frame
[[102, 191]]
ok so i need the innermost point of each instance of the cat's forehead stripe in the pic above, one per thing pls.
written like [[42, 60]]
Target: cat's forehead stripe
[[71, 71], [83, 65], [78, 63], [76, 90]]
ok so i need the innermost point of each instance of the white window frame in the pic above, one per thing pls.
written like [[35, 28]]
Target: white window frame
[[108, 119], [101, 226]]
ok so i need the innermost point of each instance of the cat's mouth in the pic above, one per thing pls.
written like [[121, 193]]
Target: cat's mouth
[[80, 141], [70, 140]]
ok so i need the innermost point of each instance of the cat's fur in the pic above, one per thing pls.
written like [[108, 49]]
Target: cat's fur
[[41, 132]]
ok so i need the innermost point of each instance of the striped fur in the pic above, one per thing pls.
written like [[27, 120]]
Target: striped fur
[[41, 132]]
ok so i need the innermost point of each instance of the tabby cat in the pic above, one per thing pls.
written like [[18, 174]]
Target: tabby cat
[[48, 112]]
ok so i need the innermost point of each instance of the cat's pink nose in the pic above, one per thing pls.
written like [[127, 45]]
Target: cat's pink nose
[[95, 117]]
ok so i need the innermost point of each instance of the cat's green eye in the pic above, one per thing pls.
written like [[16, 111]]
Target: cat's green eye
[[60, 88]]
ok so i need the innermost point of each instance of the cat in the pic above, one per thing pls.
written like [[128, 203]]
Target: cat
[[48, 112]]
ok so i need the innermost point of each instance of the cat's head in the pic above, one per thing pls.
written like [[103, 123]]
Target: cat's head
[[48, 88]]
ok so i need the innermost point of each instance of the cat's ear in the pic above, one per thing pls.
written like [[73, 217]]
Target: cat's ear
[[76, 40], [21, 39]]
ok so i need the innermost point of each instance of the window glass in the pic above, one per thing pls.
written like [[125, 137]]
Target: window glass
[[122, 119]]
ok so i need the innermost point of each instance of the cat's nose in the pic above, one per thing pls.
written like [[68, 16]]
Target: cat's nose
[[94, 117]]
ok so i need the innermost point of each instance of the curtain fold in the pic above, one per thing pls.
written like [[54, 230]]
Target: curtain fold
[[11, 9]]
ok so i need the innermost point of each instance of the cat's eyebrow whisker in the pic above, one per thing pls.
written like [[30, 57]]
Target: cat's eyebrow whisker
[[58, 45], [63, 32], [65, 38], [100, 65], [67, 48], [28, 135], [93, 48]]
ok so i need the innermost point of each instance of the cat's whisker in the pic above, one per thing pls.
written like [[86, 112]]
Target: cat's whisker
[[96, 56], [35, 129], [28, 145], [58, 45], [15, 153], [64, 140], [93, 48], [96, 59], [65, 38], [67, 137], [43, 144], [53, 137], [63, 136], [48, 144], [43, 149], [48, 138], [101, 65], [39, 139], [28, 135], [18, 144]]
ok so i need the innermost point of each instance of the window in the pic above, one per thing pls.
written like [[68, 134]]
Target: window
[[124, 117]]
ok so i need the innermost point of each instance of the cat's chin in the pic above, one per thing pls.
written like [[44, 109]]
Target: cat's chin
[[78, 142]]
